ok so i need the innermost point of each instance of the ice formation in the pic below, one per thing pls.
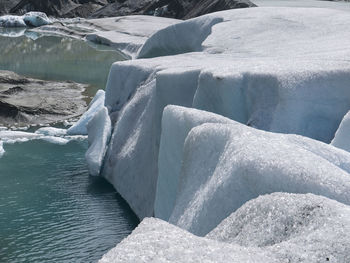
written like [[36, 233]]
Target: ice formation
[[296, 228], [176, 124], [33, 19], [80, 127], [157, 241], [280, 71], [272, 228], [240, 65], [99, 129]]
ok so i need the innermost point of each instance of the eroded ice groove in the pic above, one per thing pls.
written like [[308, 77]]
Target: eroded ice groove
[[229, 164], [300, 228], [176, 124], [157, 241], [99, 128]]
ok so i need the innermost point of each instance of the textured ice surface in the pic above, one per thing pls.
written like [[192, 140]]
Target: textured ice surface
[[12, 21], [51, 131], [99, 129], [342, 136], [80, 127], [157, 241], [176, 124], [269, 68], [225, 165], [34, 19], [279, 227], [300, 228]]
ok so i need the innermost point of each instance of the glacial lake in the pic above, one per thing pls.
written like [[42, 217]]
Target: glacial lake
[[51, 210]]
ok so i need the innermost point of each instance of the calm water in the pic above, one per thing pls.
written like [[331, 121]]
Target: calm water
[[57, 58], [51, 210]]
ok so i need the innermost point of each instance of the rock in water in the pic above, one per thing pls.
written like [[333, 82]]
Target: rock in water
[[27, 101]]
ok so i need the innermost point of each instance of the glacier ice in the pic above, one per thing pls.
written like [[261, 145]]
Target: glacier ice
[[229, 164], [176, 124], [155, 240], [300, 228], [281, 71], [243, 68], [99, 129], [34, 19], [279, 227], [12, 21], [80, 127]]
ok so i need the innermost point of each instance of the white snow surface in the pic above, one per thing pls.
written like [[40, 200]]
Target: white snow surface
[[99, 129], [299, 228], [33, 19], [80, 127], [342, 136], [155, 240], [277, 69]]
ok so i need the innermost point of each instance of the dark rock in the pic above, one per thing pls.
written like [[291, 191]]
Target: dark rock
[[6, 5], [59, 8], [27, 101], [181, 9], [194, 8]]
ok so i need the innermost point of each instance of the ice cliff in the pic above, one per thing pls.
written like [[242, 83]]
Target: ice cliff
[[260, 93]]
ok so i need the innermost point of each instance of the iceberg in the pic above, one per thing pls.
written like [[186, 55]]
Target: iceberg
[[80, 127]]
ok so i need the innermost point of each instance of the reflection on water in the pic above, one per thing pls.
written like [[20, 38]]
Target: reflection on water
[[56, 58], [51, 210]]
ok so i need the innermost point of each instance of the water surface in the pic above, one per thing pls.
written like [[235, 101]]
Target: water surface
[[51, 210]]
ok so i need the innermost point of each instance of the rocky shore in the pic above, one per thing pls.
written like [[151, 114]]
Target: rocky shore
[[26, 101]]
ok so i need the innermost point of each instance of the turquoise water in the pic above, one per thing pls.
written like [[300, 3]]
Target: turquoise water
[[51, 210]]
